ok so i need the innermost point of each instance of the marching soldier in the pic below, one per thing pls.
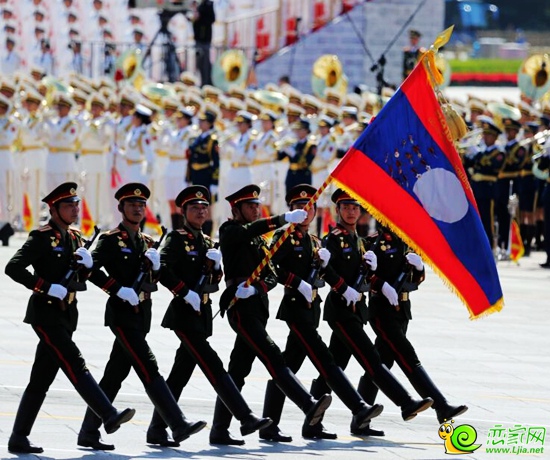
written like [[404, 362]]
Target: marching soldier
[[389, 316], [138, 151], [486, 164], [346, 313], [299, 262], [190, 270], [9, 130], [53, 250], [300, 156], [203, 167], [119, 258], [243, 249], [63, 136]]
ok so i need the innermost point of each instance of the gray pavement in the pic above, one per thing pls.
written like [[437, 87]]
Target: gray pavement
[[498, 365]]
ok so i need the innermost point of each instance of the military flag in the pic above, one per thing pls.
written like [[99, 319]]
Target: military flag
[[516, 247], [28, 221], [87, 223], [151, 221]]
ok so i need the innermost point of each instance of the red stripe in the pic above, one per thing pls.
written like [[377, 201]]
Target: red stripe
[[178, 287], [386, 339], [108, 284], [259, 352], [39, 283], [358, 351], [338, 284], [289, 280], [70, 372], [209, 375], [318, 365], [134, 355], [264, 286]]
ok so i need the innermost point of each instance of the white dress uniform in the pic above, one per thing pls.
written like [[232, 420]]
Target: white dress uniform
[[95, 139], [34, 153], [122, 127], [9, 130], [177, 166], [320, 167], [138, 155], [263, 166], [61, 161], [241, 162], [160, 133]]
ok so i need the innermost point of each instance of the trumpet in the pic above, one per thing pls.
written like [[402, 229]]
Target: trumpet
[[284, 142], [538, 139]]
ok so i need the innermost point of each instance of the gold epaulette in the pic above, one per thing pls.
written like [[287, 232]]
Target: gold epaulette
[[182, 231], [148, 238], [113, 231], [336, 231], [75, 229], [44, 228]]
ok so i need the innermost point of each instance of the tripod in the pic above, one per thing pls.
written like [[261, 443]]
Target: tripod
[[171, 66]]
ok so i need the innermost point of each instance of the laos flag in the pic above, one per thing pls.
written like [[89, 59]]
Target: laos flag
[[405, 170]]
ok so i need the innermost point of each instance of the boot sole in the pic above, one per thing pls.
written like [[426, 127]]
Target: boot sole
[[422, 408], [197, 426], [322, 405], [460, 412], [374, 412], [257, 427], [95, 445], [126, 416]]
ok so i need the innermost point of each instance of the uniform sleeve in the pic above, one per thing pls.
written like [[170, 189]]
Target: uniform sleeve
[[329, 274], [168, 260], [27, 255], [261, 226], [100, 255], [284, 274]]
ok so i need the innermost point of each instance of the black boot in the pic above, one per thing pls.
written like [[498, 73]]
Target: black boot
[[24, 420], [295, 391], [233, 399], [96, 399], [368, 391], [273, 408], [165, 404], [89, 435], [318, 388], [422, 383], [219, 434], [156, 433]]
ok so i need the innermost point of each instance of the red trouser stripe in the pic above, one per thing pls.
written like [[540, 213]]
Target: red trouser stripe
[[259, 352], [386, 339], [318, 365], [65, 363], [363, 361], [209, 375], [134, 355]]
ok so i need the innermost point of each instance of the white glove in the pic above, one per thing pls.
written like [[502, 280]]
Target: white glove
[[291, 152], [128, 295], [85, 257], [415, 260], [153, 255], [193, 299], [305, 290], [390, 293], [351, 296], [216, 256], [371, 259], [245, 292], [213, 189], [295, 217], [56, 290], [324, 255]]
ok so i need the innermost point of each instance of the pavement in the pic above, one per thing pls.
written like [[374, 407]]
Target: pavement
[[498, 365]]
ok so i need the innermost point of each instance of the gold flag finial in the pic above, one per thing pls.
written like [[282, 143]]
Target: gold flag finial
[[443, 38]]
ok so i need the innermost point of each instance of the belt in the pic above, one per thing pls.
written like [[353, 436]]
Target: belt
[[199, 166], [296, 167], [205, 298], [403, 296], [478, 177], [69, 298], [261, 162], [133, 162], [61, 150], [175, 158], [162, 153], [31, 147], [525, 173], [231, 282], [240, 165], [319, 169], [144, 296], [5, 147], [290, 291], [508, 175], [91, 152]]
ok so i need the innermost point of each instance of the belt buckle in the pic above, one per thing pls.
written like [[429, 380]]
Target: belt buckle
[[71, 297], [313, 294], [403, 296], [205, 298], [142, 296]]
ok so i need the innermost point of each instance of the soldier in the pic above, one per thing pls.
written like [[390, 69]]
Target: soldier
[[243, 249], [486, 163], [346, 313], [188, 257], [389, 315], [412, 52], [63, 136], [299, 262], [53, 250], [203, 167], [300, 156], [123, 253], [9, 130], [138, 150], [242, 155]]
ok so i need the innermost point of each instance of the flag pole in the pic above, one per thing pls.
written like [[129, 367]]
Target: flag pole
[[256, 273]]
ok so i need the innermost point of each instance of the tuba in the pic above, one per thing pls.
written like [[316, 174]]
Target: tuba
[[533, 76], [156, 92], [328, 73], [130, 63], [54, 86], [272, 100], [230, 69], [502, 111]]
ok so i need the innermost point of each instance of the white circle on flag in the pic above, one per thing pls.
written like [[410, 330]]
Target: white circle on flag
[[441, 195]]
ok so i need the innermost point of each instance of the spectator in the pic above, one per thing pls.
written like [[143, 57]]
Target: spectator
[[203, 16]]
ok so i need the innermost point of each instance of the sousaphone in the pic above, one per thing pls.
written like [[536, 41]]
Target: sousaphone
[[230, 69], [533, 76], [328, 73], [130, 63]]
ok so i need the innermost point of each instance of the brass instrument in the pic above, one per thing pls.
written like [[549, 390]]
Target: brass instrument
[[156, 92], [272, 100], [328, 73], [501, 111], [230, 69], [533, 76], [284, 142], [53, 87], [131, 64]]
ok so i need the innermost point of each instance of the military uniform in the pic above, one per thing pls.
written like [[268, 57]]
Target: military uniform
[[118, 259], [297, 262], [50, 250], [204, 160], [9, 130], [243, 249], [138, 154], [184, 262], [390, 322]]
